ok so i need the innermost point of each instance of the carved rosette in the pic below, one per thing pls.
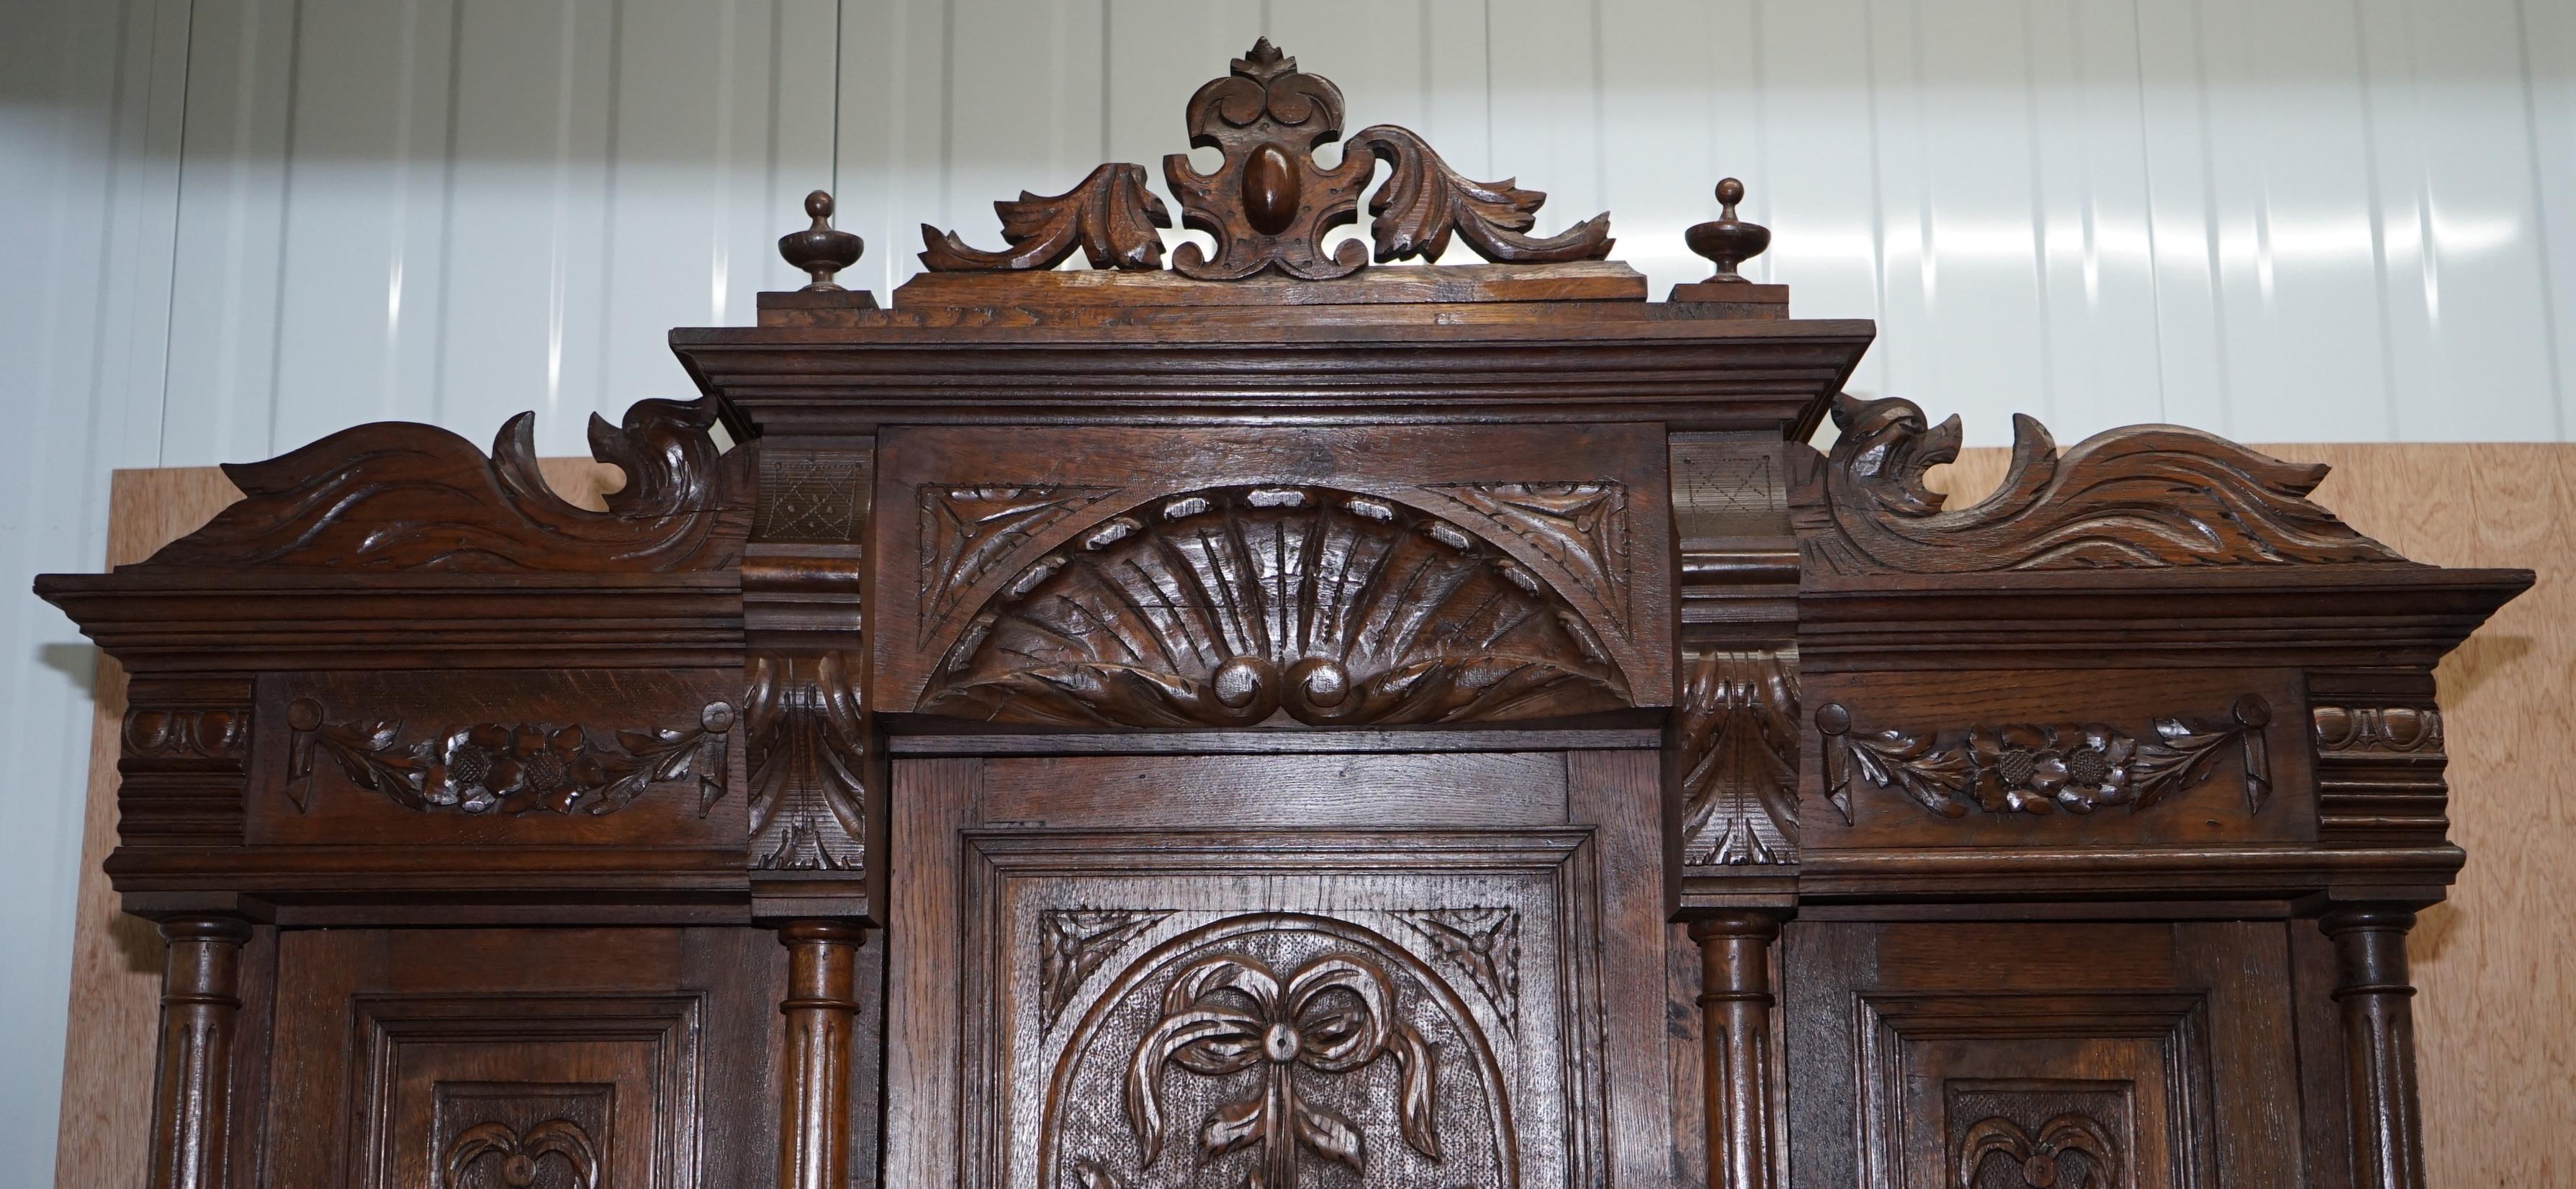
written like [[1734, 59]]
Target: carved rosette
[[1272, 1049], [2143, 496], [1221, 607], [2037, 768], [511, 768], [806, 749], [398, 496], [1738, 732]]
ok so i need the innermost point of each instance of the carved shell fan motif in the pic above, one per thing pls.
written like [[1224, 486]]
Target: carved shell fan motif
[[1225, 606]]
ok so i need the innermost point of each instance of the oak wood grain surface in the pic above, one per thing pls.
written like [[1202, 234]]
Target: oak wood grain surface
[[2496, 964]]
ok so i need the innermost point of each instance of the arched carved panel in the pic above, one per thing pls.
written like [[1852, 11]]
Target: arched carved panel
[[1278, 1050], [1224, 606]]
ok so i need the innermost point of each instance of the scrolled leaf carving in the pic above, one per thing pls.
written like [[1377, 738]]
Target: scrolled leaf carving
[[399, 496], [2140, 497], [1220, 607], [1111, 217], [1424, 202], [2039, 768]]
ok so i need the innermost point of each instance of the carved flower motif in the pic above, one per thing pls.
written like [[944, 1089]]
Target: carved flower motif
[[2030, 769], [488, 766]]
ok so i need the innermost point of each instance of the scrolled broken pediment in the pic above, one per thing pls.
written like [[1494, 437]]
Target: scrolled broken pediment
[[403, 496], [1224, 606], [2145, 496]]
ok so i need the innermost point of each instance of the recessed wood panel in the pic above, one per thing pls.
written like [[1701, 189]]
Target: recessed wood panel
[[1348, 791]]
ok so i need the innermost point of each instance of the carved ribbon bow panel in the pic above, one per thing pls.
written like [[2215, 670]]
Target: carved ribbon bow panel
[[1374, 1043]]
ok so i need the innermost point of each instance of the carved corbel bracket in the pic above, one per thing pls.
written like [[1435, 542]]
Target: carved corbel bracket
[[1738, 730]]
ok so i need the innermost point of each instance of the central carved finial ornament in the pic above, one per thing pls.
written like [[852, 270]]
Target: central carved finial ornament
[[1269, 204]]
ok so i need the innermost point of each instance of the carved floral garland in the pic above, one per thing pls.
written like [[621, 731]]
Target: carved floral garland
[[506, 768], [2041, 767]]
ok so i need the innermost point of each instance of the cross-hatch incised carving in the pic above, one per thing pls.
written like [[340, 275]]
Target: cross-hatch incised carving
[[1332, 1016]]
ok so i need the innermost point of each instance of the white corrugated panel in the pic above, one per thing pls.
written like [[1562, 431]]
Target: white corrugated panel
[[236, 227]]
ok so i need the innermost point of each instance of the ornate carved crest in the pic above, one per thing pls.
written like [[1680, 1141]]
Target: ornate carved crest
[[1269, 204], [1219, 607], [399, 496], [2144, 496]]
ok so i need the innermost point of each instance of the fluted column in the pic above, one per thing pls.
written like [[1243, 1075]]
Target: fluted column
[[1735, 1004], [814, 1067], [192, 1085], [2372, 984]]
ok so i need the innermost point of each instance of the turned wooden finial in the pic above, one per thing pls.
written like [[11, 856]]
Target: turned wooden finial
[[820, 250], [1728, 241]]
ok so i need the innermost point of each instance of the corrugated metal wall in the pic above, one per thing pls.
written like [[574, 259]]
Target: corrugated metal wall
[[232, 226]]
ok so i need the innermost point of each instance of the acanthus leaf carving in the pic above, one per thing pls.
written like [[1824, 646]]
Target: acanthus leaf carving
[[1221, 607], [1073, 942], [1582, 527], [2144, 496], [400, 496], [967, 530], [1110, 217], [1269, 204], [1424, 201], [507, 768], [806, 751], [2038, 768], [1483, 942], [1738, 731]]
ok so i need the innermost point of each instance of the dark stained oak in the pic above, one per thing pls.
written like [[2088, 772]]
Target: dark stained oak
[[1281, 720]]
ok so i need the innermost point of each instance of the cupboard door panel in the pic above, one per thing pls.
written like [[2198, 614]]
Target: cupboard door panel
[[533, 1059]]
